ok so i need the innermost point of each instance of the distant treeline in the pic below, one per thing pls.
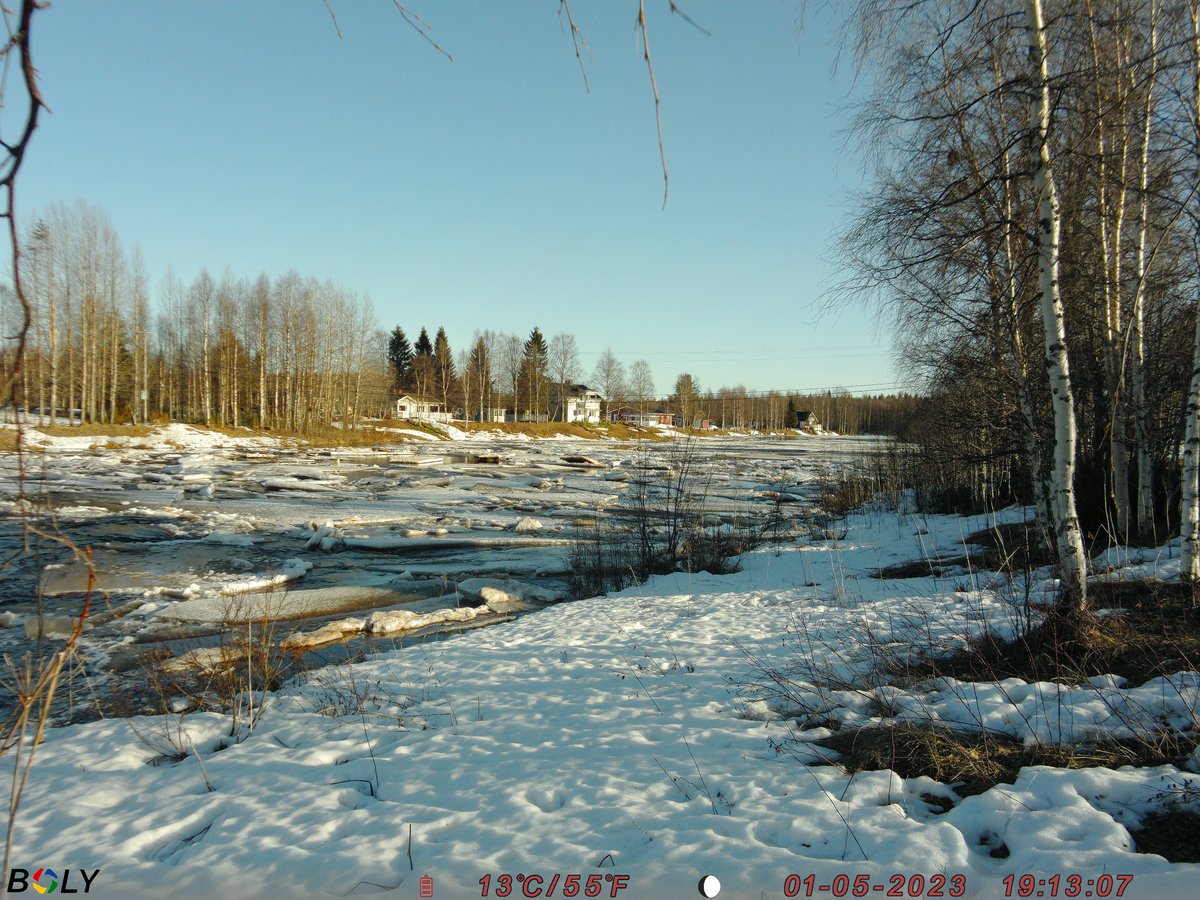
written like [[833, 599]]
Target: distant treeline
[[839, 411], [299, 354]]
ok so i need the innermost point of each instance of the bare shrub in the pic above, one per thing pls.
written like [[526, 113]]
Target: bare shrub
[[341, 691], [661, 526], [234, 675]]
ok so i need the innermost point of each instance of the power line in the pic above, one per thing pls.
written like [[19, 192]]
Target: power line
[[728, 352], [850, 389], [871, 388]]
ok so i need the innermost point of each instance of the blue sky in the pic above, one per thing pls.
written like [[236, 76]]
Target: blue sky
[[488, 192]]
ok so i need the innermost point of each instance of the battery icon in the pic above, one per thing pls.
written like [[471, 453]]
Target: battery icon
[[425, 887]]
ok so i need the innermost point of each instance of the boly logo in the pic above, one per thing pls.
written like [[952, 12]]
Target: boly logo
[[45, 880]]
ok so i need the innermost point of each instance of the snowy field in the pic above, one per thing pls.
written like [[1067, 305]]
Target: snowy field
[[635, 736]]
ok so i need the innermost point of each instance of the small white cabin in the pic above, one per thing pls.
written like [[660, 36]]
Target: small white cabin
[[409, 407]]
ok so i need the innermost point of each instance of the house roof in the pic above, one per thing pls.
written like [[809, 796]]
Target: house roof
[[577, 389]]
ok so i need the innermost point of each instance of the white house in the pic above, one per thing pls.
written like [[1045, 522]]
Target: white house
[[409, 407], [581, 404], [806, 420]]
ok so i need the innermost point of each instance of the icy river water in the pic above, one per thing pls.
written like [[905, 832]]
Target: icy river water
[[341, 549]]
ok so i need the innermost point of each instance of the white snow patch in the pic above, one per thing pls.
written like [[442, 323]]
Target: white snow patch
[[502, 595]]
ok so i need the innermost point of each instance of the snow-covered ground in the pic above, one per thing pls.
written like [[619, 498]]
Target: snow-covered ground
[[631, 735]]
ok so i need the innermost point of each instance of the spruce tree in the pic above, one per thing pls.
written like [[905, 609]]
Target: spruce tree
[[423, 365], [400, 358], [443, 359], [423, 346], [533, 368]]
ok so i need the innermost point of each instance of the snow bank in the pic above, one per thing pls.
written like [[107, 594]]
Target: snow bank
[[503, 596], [399, 620], [173, 435], [328, 633]]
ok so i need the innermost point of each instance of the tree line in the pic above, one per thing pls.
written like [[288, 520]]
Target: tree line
[[291, 352], [525, 379], [498, 374], [1033, 228], [297, 354]]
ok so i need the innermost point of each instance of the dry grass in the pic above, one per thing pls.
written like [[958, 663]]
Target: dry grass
[[1149, 630], [367, 435], [1154, 632], [920, 568], [846, 490], [327, 436], [1016, 546], [96, 430], [1144, 629], [973, 762], [1005, 548], [533, 429], [1174, 835]]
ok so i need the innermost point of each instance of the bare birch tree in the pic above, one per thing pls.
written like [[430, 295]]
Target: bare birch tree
[[1189, 516], [1072, 559], [563, 366], [609, 377]]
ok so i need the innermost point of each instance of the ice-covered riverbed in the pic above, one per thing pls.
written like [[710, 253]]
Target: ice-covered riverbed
[[192, 531]]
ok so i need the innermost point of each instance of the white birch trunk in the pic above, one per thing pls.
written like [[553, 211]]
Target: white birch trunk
[[1189, 506], [1111, 241], [115, 372], [36, 349], [52, 309], [1141, 416], [69, 314], [144, 390], [1071, 557], [206, 383], [262, 295]]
